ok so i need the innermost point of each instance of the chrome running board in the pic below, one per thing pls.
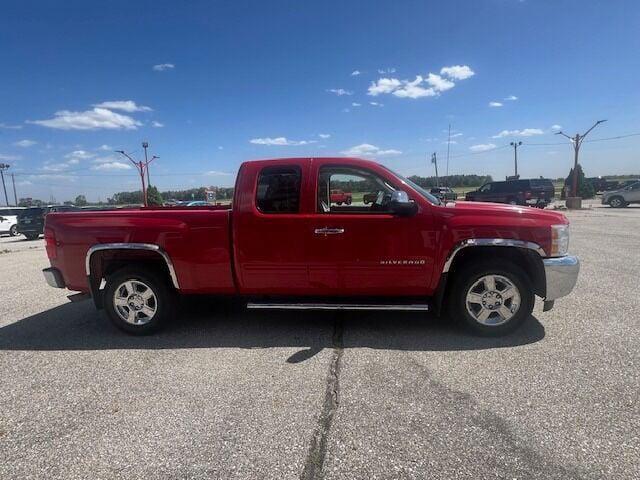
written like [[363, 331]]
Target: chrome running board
[[337, 306]]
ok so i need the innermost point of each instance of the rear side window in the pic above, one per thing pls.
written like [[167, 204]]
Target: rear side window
[[279, 190]]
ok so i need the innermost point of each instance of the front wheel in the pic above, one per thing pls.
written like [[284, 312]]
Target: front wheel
[[617, 202], [492, 299], [13, 231], [138, 301]]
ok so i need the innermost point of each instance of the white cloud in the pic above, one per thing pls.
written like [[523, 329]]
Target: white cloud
[[161, 67], [324, 135], [105, 147], [366, 149], [483, 147], [456, 135], [430, 86], [25, 143], [217, 173], [438, 83], [556, 127], [95, 119], [451, 142], [495, 104], [55, 167], [414, 90], [457, 72], [383, 85], [128, 106], [157, 124], [220, 147], [280, 141], [376, 104], [340, 91], [356, 104], [79, 155], [10, 127], [24, 183], [107, 159], [527, 132], [7, 158], [355, 73], [112, 166], [511, 98], [385, 71]]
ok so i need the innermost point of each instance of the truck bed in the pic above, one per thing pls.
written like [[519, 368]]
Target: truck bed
[[197, 240]]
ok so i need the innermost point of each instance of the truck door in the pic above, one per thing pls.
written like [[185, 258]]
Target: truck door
[[360, 249], [269, 230]]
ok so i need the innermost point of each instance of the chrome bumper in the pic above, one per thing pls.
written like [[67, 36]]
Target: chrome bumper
[[561, 275], [53, 277]]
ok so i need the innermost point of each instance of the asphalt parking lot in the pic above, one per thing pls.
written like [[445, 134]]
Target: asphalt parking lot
[[225, 393]]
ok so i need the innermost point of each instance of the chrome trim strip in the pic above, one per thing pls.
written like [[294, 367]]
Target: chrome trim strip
[[491, 242], [561, 275], [336, 306], [133, 246]]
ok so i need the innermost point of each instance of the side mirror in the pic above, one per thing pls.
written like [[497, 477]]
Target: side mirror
[[401, 205]]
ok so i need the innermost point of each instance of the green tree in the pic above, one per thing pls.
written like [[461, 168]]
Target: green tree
[[154, 199], [585, 188], [81, 201]]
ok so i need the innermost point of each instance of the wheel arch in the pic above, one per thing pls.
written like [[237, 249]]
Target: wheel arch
[[104, 259], [527, 255]]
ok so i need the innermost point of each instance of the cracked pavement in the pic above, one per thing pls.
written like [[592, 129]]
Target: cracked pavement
[[228, 393]]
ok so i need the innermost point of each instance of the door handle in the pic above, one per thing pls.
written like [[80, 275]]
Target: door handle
[[329, 231]]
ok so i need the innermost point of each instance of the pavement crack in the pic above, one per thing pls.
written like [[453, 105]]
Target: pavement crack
[[318, 449]]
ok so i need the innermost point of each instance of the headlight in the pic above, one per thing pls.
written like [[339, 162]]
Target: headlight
[[559, 240]]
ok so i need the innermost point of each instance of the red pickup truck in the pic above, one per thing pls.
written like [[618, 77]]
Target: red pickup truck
[[284, 245], [340, 197]]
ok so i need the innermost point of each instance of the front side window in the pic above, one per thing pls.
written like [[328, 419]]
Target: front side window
[[279, 190], [352, 190], [485, 188]]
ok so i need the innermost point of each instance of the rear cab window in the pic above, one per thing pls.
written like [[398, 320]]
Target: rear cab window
[[278, 189]]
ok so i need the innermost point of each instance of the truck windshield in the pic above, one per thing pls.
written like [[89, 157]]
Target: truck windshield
[[430, 198]]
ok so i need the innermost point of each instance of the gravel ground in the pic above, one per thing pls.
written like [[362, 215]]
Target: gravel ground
[[226, 393]]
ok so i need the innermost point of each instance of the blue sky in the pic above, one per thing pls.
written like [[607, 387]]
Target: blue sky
[[212, 84]]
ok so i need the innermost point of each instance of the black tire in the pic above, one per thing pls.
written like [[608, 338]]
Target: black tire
[[617, 202], [465, 278], [164, 299], [31, 235], [349, 201], [13, 231]]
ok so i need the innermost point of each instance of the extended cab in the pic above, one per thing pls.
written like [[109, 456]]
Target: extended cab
[[284, 244]]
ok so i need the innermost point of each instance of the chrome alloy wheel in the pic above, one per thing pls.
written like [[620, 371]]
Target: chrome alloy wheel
[[493, 300], [135, 302]]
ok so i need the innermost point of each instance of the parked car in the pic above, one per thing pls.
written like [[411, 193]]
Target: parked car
[[280, 247], [444, 193], [9, 220], [622, 197], [534, 192], [339, 197], [369, 198], [198, 203], [31, 219]]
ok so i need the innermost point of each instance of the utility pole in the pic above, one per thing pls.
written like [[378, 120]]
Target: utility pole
[[15, 196], [448, 145], [434, 160], [515, 146], [577, 143], [141, 167], [3, 167]]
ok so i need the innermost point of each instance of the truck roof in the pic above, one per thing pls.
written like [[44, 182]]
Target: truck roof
[[301, 160]]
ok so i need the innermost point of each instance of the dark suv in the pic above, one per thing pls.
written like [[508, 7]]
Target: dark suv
[[535, 192], [31, 220]]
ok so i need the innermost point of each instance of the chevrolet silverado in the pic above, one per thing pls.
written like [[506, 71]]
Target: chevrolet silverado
[[283, 244]]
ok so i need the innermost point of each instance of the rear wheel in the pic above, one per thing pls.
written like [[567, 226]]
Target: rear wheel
[[13, 231], [138, 301], [349, 201], [492, 298], [31, 235], [617, 202]]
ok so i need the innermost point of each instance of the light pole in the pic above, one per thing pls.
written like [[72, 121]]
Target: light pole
[[577, 142], [141, 167], [515, 146], [3, 167], [15, 195], [434, 160]]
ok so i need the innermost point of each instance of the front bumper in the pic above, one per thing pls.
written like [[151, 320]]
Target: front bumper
[[561, 274], [53, 277]]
